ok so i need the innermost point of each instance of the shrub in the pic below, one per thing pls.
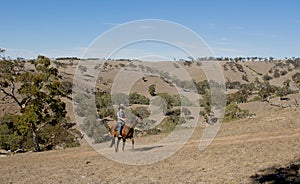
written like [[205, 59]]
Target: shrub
[[10, 136], [245, 77], [186, 111], [172, 100], [121, 65], [199, 63], [176, 65], [187, 63], [58, 135], [83, 69], [14, 134], [169, 123], [233, 85], [233, 112], [104, 105], [256, 98], [135, 98], [276, 73], [152, 90], [267, 77], [202, 87], [238, 97], [296, 78], [240, 67], [141, 112], [284, 72]]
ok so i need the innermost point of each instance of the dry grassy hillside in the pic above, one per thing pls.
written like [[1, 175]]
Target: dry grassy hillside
[[110, 69], [243, 150]]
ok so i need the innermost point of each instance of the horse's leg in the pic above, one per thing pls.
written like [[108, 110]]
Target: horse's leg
[[132, 140], [124, 140], [112, 141], [117, 146]]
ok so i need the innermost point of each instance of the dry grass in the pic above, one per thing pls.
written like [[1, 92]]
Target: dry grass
[[241, 149]]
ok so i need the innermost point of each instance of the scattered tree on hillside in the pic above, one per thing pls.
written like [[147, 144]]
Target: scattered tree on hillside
[[152, 89], [233, 112], [233, 85], [141, 112], [267, 77], [276, 73], [135, 98], [245, 77], [202, 87], [38, 95], [266, 90], [296, 78]]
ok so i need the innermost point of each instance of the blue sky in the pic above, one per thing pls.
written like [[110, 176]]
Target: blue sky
[[230, 28]]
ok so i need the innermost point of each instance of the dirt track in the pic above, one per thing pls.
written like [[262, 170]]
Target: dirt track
[[240, 150]]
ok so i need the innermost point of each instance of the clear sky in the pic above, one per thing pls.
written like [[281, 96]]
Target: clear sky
[[231, 28]]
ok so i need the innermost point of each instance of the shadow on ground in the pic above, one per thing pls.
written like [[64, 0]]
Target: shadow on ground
[[276, 175], [147, 148]]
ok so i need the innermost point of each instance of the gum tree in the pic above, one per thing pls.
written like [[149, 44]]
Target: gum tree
[[37, 92]]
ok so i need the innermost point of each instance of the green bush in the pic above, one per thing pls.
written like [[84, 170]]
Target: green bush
[[296, 78], [267, 77], [233, 85], [284, 72], [14, 134], [152, 90], [104, 105], [59, 135], [10, 136], [233, 112], [276, 73], [245, 77], [167, 125], [135, 98], [171, 100], [141, 112]]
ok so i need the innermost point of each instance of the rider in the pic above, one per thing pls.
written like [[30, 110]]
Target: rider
[[121, 118]]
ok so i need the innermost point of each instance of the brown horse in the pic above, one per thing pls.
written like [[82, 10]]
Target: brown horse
[[127, 133]]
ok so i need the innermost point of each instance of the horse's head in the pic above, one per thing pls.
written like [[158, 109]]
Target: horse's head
[[136, 120]]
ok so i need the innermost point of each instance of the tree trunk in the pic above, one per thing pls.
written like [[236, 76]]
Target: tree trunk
[[35, 138]]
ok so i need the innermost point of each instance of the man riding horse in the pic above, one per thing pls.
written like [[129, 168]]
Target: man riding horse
[[121, 119], [123, 130]]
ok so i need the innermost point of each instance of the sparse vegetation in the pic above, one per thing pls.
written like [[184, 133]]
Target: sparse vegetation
[[267, 77], [245, 77], [244, 92], [233, 112], [296, 79], [152, 90], [135, 98], [141, 112]]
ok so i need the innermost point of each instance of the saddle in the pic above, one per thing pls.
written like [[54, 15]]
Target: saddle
[[116, 128]]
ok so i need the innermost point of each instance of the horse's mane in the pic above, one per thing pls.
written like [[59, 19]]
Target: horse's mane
[[132, 124]]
